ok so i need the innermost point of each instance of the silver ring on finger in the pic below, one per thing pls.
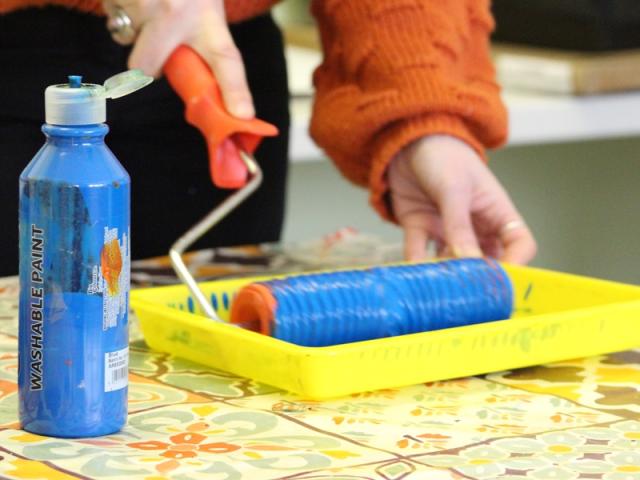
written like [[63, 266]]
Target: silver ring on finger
[[120, 27]]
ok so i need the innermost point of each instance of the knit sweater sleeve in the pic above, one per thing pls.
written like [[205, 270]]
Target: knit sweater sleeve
[[396, 70]]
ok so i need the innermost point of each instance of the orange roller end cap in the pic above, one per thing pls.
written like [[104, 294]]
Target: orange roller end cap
[[254, 308]]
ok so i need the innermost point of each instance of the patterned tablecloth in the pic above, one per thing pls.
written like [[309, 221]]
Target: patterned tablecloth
[[568, 420]]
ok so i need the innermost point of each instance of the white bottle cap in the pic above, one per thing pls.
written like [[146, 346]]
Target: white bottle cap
[[77, 103]]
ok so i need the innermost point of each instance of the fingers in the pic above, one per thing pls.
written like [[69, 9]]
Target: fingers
[[516, 242], [415, 243], [419, 226], [491, 246], [459, 233], [155, 43], [216, 46], [445, 179], [124, 30], [443, 168], [119, 24], [425, 213], [200, 25], [518, 245]]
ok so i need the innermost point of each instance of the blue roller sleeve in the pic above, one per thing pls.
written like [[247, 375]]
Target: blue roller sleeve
[[341, 307]]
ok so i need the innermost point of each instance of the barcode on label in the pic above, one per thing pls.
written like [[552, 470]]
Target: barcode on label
[[119, 374], [116, 370]]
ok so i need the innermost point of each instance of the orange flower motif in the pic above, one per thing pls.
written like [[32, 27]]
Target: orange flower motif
[[183, 445], [111, 264]]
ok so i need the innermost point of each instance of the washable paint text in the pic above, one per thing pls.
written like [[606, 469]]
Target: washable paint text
[[36, 307]]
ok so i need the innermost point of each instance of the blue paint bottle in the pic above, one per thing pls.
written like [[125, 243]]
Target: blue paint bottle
[[74, 268]]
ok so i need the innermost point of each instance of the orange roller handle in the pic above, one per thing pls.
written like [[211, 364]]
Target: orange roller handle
[[226, 135]]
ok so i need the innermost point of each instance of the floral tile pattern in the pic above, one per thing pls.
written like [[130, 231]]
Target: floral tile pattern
[[576, 419], [195, 440], [388, 470], [608, 383], [609, 452], [434, 416]]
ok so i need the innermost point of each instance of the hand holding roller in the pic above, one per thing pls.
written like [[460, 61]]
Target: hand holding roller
[[231, 142], [226, 136]]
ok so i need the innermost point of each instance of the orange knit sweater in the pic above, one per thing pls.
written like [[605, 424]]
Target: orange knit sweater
[[396, 70], [393, 71]]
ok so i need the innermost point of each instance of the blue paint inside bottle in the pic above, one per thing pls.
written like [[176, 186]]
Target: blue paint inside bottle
[[74, 279]]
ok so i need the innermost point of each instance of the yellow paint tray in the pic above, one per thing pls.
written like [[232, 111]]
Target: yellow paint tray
[[557, 316]]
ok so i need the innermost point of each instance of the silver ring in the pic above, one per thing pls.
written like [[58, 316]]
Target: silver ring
[[121, 28], [511, 226]]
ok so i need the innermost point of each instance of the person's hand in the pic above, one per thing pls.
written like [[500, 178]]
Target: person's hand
[[163, 25], [441, 190]]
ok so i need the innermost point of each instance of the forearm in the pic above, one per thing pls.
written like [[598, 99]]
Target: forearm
[[395, 71]]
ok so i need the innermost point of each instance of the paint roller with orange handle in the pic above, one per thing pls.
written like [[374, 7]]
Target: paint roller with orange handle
[[230, 141]]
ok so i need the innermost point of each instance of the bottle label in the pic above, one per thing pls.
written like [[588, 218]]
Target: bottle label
[[111, 278], [116, 370]]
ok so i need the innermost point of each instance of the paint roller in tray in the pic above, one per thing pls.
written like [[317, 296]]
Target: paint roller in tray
[[349, 306], [325, 308]]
